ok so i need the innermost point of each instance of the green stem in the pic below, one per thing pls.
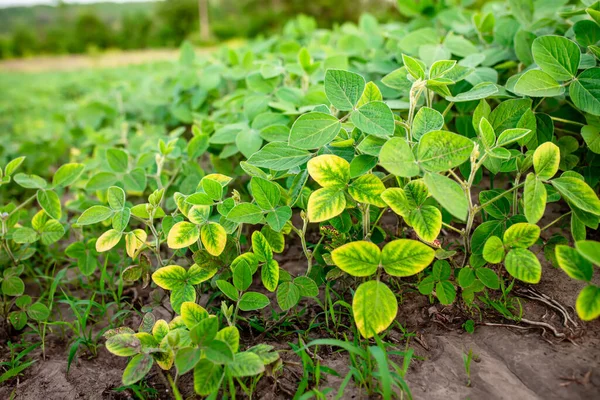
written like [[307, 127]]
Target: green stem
[[376, 222], [448, 108], [366, 221], [566, 121], [452, 228], [493, 199], [23, 204], [556, 220]]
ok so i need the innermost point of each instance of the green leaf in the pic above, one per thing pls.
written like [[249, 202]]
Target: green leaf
[[94, 215], [590, 250], [67, 174], [449, 194], [523, 265], [13, 165], [212, 188], [536, 83], [251, 301], [440, 68], [573, 263], [397, 80], [522, 235], [207, 377], [242, 276], [204, 331], [116, 198], [443, 150], [231, 336], [367, 189], [30, 181], [426, 120], [534, 199], [306, 286], [219, 352], [117, 160], [426, 221], [510, 136], [343, 88], [49, 201], [329, 170], [279, 156], [278, 218], [214, 238], [183, 234], [493, 250], [170, 277], [246, 364], [270, 274], [397, 158], [588, 303], [24, 235], [488, 277], [13, 286], [360, 258], [325, 203], [374, 307], [137, 368], [579, 193], [508, 114], [186, 358], [445, 292], [180, 295], [314, 130], [228, 289], [51, 232], [585, 91], [288, 295], [246, 213], [265, 193], [480, 91], [557, 56], [414, 67], [374, 118], [591, 136], [38, 312], [546, 160]]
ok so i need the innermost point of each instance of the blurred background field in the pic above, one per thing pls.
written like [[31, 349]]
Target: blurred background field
[[72, 28]]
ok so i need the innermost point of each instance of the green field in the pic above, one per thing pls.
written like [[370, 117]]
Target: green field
[[404, 209]]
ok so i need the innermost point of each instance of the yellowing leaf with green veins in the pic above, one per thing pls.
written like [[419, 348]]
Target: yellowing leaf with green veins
[[396, 199], [160, 329], [546, 159], [523, 265], [426, 221], [329, 170], [198, 274], [325, 203], [397, 158], [108, 240], [443, 150], [374, 307], [367, 189], [534, 198], [199, 214], [416, 192], [123, 345], [182, 234], [406, 257], [573, 263], [522, 235], [360, 258], [493, 250], [49, 201], [579, 193], [588, 303], [270, 274], [207, 377], [192, 314], [214, 238], [261, 247], [170, 277], [134, 240]]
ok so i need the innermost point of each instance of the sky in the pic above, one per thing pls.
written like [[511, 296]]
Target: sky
[[11, 3]]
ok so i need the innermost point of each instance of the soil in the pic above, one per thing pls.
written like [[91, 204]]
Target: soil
[[524, 362]]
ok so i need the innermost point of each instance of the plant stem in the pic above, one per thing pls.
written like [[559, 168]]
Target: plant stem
[[566, 121], [490, 201], [452, 228], [447, 109], [556, 220], [375, 224], [366, 221], [23, 204]]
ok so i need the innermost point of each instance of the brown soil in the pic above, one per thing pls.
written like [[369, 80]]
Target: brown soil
[[509, 363]]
